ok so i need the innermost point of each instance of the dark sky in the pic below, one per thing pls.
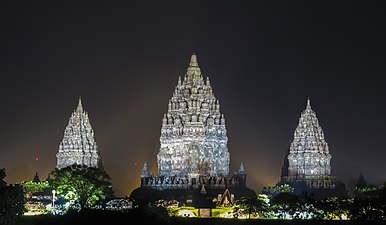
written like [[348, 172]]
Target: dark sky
[[124, 58]]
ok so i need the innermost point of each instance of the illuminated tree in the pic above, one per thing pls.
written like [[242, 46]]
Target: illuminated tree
[[32, 187], [286, 203], [252, 205], [334, 208], [11, 201], [277, 189], [81, 185]]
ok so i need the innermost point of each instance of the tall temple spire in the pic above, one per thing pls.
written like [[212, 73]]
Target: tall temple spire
[[78, 145], [306, 166], [309, 155], [193, 151], [193, 135]]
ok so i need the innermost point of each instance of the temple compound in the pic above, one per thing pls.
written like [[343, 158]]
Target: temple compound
[[307, 165], [78, 145], [193, 154]]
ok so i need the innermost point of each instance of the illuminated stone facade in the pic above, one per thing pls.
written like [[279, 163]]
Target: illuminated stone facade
[[309, 156], [193, 139], [193, 134], [307, 163], [78, 145]]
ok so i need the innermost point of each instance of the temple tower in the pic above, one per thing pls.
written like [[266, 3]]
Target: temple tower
[[193, 158], [78, 145], [193, 135], [306, 166], [309, 156]]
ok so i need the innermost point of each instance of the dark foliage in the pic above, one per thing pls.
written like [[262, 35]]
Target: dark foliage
[[11, 201], [147, 215]]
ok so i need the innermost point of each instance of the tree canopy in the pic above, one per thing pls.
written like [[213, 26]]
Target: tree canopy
[[82, 186], [11, 201], [256, 205], [31, 186]]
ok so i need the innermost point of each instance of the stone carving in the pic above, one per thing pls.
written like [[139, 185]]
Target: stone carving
[[78, 145], [193, 139], [308, 158], [193, 135]]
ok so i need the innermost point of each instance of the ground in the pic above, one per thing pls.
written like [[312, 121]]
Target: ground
[[158, 218]]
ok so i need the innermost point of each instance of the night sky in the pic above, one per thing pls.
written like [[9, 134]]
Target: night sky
[[124, 58]]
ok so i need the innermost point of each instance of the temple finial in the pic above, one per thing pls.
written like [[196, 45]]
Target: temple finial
[[145, 171], [36, 177], [80, 106], [207, 81], [193, 60], [241, 169], [308, 103]]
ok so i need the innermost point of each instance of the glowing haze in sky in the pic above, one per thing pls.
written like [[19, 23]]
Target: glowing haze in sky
[[124, 57]]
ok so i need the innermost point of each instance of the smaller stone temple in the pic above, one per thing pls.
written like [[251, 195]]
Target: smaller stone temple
[[78, 145], [306, 165]]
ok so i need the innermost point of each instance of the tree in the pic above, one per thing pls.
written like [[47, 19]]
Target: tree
[[81, 185], [271, 192], [32, 187], [2, 176], [287, 203], [336, 208], [11, 201], [252, 205]]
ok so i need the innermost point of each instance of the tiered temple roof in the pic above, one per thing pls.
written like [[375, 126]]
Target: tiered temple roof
[[307, 165], [193, 159], [193, 135], [309, 156], [78, 145]]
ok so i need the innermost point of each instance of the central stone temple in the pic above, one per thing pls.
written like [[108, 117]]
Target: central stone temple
[[193, 152], [193, 135]]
